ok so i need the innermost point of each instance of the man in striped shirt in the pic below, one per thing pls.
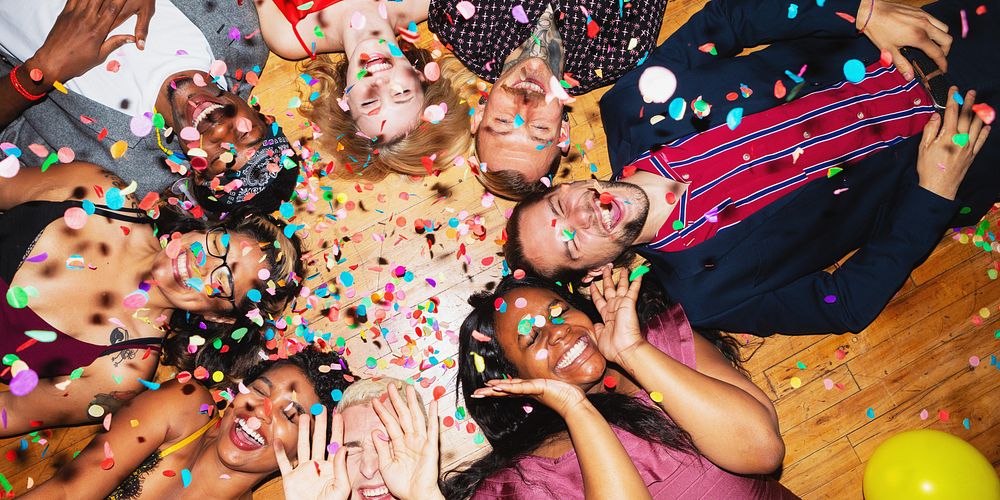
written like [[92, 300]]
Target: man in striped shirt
[[740, 219]]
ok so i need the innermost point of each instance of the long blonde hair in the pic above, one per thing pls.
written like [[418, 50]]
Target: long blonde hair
[[358, 155]]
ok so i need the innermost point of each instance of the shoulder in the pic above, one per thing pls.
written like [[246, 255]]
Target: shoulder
[[185, 400]]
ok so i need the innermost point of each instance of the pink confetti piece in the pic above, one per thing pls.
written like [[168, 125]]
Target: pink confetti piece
[[519, 15], [9, 167], [965, 23], [466, 9], [924, 414], [657, 84], [974, 361]]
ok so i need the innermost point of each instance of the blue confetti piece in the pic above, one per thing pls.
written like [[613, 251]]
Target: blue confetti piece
[[149, 385], [287, 210], [337, 395], [254, 295], [88, 206], [958, 98], [114, 199], [677, 108], [793, 10], [394, 50], [795, 78], [734, 117], [316, 409], [195, 283], [186, 477], [870, 412], [820, 2], [966, 424], [347, 279], [291, 228], [518, 121], [854, 70]]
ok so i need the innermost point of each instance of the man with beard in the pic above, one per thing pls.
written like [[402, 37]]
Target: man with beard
[[740, 220], [527, 49], [146, 108]]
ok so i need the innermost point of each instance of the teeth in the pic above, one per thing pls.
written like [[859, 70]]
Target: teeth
[[573, 353], [249, 432], [201, 116], [375, 492], [529, 86], [182, 266]]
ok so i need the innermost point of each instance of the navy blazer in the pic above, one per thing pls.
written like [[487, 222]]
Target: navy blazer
[[766, 275]]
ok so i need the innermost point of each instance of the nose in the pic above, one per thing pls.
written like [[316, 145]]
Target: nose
[[369, 462], [220, 132], [259, 408], [581, 214], [555, 333]]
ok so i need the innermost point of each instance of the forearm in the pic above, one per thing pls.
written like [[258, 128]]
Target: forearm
[[12, 103], [728, 425], [602, 456]]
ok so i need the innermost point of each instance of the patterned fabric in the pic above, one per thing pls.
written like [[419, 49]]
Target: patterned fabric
[[602, 39], [733, 173]]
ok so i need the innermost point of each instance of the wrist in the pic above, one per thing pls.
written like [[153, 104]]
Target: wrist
[[625, 356], [43, 86], [865, 10]]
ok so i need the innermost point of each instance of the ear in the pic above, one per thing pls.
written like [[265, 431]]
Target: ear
[[219, 319], [564, 137], [596, 272], [479, 109]]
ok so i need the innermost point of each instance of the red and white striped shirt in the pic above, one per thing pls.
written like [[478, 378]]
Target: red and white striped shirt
[[733, 173]]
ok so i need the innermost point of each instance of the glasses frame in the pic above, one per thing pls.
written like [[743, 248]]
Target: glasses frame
[[208, 235]]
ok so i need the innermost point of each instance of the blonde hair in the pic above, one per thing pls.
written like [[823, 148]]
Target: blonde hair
[[447, 139], [363, 391]]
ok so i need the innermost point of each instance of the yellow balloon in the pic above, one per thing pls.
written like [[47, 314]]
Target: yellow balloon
[[929, 465]]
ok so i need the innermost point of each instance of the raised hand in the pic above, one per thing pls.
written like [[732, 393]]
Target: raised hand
[[893, 26], [562, 397], [315, 476], [408, 460], [615, 300], [947, 149]]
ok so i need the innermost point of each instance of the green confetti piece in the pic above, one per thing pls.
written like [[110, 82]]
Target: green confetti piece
[[800, 365], [75, 374], [362, 73], [478, 438], [833, 171], [639, 271], [965, 210], [158, 121], [677, 225], [960, 139], [239, 333], [5, 483], [49, 161], [318, 32], [568, 235]]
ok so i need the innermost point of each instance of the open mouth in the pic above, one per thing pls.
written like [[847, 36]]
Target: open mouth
[[610, 214], [244, 437], [573, 353], [182, 269], [200, 109], [377, 63], [529, 85], [379, 492]]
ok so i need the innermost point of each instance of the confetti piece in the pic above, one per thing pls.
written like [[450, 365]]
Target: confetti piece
[[795, 382], [9, 167], [316, 409], [974, 361], [656, 397], [677, 108], [828, 384], [830, 299], [23, 382], [657, 84], [519, 15], [186, 477], [708, 48], [960, 140], [779, 90], [870, 412], [610, 382], [923, 414], [42, 335], [982, 110], [637, 272], [149, 385], [432, 71], [793, 10], [734, 117], [466, 9], [885, 58], [854, 70]]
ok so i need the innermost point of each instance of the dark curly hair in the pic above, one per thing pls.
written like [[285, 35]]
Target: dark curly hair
[[283, 259], [309, 360], [513, 433]]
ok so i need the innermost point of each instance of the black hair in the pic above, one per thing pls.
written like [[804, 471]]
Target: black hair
[[309, 360], [223, 351], [511, 431], [277, 191]]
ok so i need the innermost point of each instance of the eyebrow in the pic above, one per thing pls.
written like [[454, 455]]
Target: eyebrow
[[266, 381], [490, 129], [552, 207], [352, 444]]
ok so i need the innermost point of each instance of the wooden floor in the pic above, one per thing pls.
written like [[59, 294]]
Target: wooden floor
[[837, 397]]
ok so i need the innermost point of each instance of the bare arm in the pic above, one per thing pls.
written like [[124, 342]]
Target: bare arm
[[60, 401], [62, 182], [84, 476], [730, 420]]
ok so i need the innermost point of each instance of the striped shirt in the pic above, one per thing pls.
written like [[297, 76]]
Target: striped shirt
[[733, 173]]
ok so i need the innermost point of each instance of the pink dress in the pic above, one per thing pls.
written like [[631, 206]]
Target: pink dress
[[667, 473]]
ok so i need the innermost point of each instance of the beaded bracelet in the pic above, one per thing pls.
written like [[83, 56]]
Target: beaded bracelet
[[20, 88]]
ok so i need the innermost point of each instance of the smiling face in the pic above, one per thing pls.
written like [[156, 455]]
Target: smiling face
[[229, 129], [193, 279], [267, 413], [519, 130], [388, 99], [362, 460], [547, 338], [571, 228]]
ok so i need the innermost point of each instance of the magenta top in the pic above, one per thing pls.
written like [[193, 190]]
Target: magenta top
[[668, 474]]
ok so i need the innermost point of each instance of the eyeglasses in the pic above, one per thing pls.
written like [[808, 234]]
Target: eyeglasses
[[221, 279]]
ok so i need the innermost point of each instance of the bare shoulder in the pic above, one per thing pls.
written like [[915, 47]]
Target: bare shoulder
[[176, 402]]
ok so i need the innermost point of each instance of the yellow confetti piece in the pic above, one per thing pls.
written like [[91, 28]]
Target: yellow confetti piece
[[984, 313], [795, 382], [656, 397], [134, 423], [60, 87], [479, 362], [217, 376], [118, 149], [656, 119]]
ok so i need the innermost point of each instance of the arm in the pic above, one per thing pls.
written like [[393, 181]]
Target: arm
[[703, 402], [870, 278], [84, 476], [59, 183], [60, 401], [78, 42], [598, 449]]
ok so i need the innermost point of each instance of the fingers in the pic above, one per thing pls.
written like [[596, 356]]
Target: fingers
[[143, 18], [303, 442], [931, 130], [609, 283], [432, 423], [597, 297], [388, 420], [966, 117], [382, 450], [902, 64], [934, 51], [935, 22], [279, 454], [981, 139], [319, 437], [633, 288], [340, 465], [942, 39], [413, 406], [337, 429], [622, 282], [112, 44], [951, 113], [403, 415]]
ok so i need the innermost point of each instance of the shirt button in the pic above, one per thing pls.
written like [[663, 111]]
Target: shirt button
[[709, 265], [805, 135], [861, 115], [746, 156], [916, 102]]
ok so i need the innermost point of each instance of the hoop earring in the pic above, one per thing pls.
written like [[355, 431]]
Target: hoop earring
[[565, 116], [482, 100]]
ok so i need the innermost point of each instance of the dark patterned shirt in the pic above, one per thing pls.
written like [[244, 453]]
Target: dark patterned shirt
[[596, 36]]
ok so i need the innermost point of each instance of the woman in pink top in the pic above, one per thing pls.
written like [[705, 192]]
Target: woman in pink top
[[709, 431]]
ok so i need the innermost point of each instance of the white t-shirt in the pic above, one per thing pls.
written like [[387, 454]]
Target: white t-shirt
[[174, 44]]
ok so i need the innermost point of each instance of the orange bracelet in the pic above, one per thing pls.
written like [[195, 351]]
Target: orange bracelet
[[20, 88]]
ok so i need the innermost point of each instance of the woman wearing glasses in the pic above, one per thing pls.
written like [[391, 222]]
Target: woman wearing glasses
[[94, 292]]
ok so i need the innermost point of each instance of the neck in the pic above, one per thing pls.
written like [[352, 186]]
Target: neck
[[656, 188], [397, 14], [546, 44], [207, 469], [142, 254], [375, 27]]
